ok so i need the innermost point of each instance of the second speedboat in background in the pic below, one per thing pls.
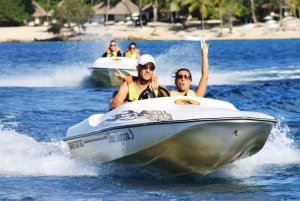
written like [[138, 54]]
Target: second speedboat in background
[[103, 70]]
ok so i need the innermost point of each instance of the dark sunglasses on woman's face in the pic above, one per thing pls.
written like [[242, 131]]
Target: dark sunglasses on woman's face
[[187, 77], [145, 67], [132, 48]]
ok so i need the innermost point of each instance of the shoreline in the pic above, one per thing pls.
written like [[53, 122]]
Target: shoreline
[[153, 32]]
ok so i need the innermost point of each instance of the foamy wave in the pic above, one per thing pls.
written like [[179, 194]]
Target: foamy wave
[[278, 150], [21, 155]]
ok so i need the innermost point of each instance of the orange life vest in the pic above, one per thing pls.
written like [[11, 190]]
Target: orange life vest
[[112, 54], [133, 55]]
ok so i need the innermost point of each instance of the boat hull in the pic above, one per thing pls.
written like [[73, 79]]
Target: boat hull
[[185, 148], [103, 70], [106, 77], [201, 149]]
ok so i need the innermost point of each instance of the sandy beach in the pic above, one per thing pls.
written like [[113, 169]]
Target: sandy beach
[[157, 31]]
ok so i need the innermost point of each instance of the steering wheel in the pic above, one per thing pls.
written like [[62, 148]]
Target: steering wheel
[[150, 94]]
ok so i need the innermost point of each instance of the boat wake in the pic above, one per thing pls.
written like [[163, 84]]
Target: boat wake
[[62, 77], [78, 76]]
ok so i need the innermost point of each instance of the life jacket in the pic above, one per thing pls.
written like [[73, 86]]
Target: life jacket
[[133, 89], [133, 55], [176, 93], [112, 54]]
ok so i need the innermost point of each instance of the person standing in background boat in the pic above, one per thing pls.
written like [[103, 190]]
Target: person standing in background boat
[[183, 77], [113, 50], [132, 51]]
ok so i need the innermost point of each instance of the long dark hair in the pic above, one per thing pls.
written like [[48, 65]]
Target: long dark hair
[[133, 43]]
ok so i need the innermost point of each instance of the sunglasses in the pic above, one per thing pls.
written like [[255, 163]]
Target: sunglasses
[[113, 45], [132, 48], [187, 77], [145, 67]]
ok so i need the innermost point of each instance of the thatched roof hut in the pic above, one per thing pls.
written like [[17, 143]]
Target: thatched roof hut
[[100, 9], [51, 12], [38, 10], [124, 7]]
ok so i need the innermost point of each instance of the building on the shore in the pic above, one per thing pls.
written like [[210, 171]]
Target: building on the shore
[[39, 14], [119, 12], [50, 14], [123, 9], [101, 10]]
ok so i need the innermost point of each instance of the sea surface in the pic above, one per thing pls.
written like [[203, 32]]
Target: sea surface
[[45, 88]]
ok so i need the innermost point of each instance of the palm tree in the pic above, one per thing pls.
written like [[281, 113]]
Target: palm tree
[[107, 8], [203, 5], [220, 5], [296, 6], [253, 11]]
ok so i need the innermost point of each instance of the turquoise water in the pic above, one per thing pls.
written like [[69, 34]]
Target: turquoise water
[[45, 89]]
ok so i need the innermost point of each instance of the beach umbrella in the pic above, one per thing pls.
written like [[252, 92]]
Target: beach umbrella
[[135, 14], [273, 26], [271, 22], [249, 25], [287, 18], [268, 17]]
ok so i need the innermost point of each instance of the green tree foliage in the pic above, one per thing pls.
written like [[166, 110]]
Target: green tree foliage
[[295, 6], [220, 4], [14, 12], [205, 8], [71, 12], [51, 4], [232, 8]]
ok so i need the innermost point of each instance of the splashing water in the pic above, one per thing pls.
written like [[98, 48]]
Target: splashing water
[[278, 150], [21, 155]]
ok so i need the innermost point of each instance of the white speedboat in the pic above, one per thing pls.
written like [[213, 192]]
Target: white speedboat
[[103, 70], [175, 135]]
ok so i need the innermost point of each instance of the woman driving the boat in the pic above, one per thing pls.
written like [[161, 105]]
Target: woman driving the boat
[[183, 77]]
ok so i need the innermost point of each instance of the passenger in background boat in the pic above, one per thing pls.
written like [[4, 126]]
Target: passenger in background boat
[[132, 51], [183, 77], [132, 87], [113, 50]]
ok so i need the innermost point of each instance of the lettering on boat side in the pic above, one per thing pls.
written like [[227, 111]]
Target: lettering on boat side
[[114, 137], [153, 115], [186, 102], [76, 144]]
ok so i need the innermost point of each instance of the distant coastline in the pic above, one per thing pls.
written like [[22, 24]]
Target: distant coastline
[[158, 31]]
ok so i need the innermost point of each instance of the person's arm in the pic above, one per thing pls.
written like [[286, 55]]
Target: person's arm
[[201, 89], [120, 75], [120, 96], [154, 86]]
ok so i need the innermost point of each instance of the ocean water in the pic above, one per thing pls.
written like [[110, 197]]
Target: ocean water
[[45, 88]]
